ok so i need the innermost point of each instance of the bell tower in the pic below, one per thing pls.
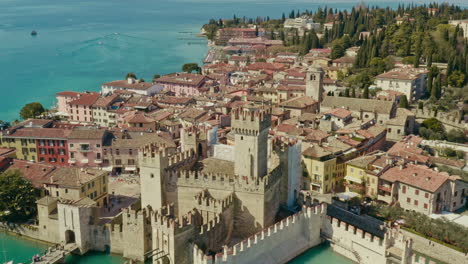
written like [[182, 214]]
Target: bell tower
[[314, 83]]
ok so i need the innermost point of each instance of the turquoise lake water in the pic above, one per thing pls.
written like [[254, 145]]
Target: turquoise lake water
[[83, 43], [20, 249]]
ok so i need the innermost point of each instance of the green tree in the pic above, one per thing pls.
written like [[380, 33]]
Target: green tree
[[420, 105], [456, 79], [366, 92], [456, 135], [190, 67], [337, 51], [353, 92], [156, 76], [433, 124], [130, 75], [404, 102], [141, 80], [346, 92], [31, 110], [17, 197]]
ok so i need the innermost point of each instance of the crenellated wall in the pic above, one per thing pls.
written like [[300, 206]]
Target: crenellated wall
[[278, 243], [353, 242]]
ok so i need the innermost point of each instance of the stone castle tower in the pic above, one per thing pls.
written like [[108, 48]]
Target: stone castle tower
[[314, 83], [250, 126]]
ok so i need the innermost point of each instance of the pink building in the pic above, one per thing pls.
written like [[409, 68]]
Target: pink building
[[85, 147], [80, 110], [63, 98], [183, 83]]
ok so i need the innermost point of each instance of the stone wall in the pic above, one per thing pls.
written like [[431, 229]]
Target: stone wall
[[275, 244], [353, 242], [223, 152]]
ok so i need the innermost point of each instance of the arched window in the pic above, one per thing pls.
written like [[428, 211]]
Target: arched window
[[312, 77]]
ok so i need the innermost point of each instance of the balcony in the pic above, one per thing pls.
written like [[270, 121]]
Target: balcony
[[98, 161], [72, 161], [84, 161], [385, 188], [317, 182]]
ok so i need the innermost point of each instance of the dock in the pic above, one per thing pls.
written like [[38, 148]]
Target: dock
[[56, 254]]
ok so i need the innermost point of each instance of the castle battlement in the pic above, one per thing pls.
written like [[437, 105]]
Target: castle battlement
[[165, 220], [211, 225], [267, 235], [207, 203], [182, 158], [223, 181], [355, 233], [250, 119]]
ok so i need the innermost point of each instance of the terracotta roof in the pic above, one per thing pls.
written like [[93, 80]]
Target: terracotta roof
[[356, 104], [37, 173], [73, 177], [182, 79], [316, 135], [174, 100], [266, 66], [39, 132], [105, 101], [133, 86], [299, 102], [86, 99], [69, 94], [79, 133], [402, 74], [139, 117], [288, 88], [339, 112], [418, 176]]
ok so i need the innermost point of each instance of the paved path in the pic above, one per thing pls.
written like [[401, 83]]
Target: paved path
[[56, 255], [435, 250]]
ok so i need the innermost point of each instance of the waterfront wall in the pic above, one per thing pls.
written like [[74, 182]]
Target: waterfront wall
[[353, 242], [275, 244]]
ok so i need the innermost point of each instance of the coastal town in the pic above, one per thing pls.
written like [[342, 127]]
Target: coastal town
[[338, 127]]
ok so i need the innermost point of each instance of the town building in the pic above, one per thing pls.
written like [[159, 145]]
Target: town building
[[422, 189], [183, 84], [409, 81], [131, 85], [85, 147], [81, 109]]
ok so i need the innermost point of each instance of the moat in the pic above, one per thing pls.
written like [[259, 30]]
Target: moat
[[21, 249]]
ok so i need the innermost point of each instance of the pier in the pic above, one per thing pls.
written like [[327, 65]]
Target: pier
[[56, 254]]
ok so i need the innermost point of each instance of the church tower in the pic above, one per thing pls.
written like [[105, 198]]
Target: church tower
[[250, 125], [314, 83]]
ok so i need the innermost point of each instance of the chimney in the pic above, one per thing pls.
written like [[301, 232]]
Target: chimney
[[401, 167]]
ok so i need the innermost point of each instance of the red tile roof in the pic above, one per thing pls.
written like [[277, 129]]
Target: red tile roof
[[86, 99], [340, 112], [69, 94], [133, 86], [419, 176], [39, 132], [37, 173]]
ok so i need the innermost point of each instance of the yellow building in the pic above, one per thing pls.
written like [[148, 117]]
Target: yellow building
[[323, 170], [75, 184], [362, 173], [25, 147]]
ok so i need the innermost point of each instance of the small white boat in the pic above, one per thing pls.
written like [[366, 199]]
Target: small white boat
[[9, 262]]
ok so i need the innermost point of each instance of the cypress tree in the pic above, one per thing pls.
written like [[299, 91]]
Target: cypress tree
[[439, 86], [430, 76], [429, 60], [366, 92], [346, 92], [404, 102]]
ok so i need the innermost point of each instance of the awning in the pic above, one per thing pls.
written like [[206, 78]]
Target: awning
[[130, 168], [352, 179]]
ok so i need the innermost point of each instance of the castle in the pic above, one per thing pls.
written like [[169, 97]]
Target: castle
[[214, 203]]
